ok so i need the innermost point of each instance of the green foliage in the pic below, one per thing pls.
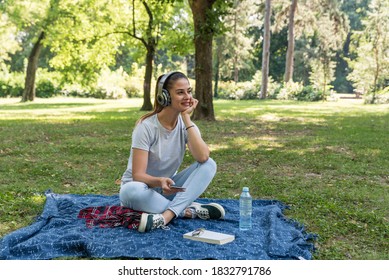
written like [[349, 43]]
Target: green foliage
[[9, 90], [355, 11], [109, 84], [288, 91], [322, 73], [370, 70], [237, 91], [8, 41], [11, 84], [112, 83], [177, 32], [45, 89], [380, 97], [235, 48], [245, 90], [74, 90], [298, 92], [84, 37], [310, 93], [47, 83]]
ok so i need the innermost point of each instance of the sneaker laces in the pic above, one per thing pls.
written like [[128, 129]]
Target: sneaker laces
[[159, 222], [203, 213]]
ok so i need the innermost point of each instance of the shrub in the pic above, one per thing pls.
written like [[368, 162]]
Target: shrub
[[246, 90], [381, 97], [288, 91], [133, 86], [16, 90], [99, 93], [11, 84], [111, 92], [310, 93], [111, 84], [296, 91], [4, 89], [227, 90], [132, 90], [46, 89], [74, 90]]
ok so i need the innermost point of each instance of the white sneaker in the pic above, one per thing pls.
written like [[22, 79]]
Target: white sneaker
[[208, 211], [151, 221]]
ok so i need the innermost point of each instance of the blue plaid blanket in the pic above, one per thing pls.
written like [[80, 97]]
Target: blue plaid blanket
[[58, 233]]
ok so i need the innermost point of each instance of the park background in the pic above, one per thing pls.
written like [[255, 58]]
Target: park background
[[293, 103]]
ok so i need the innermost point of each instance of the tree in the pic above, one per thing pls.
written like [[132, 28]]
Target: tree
[[370, 68], [32, 66], [85, 36], [306, 22], [111, 27], [323, 64], [159, 21], [218, 59], [236, 44], [202, 11], [150, 42], [355, 11], [333, 24], [291, 37], [60, 26], [266, 50], [81, 39], [31, 19]]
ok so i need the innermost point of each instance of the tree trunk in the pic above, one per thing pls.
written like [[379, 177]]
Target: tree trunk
[[217, 65], [236, 70], [266, 50], [147, 105], [203, 58], [290, 52], [376, 72], [151, 44], [32, 66], [325, 68]]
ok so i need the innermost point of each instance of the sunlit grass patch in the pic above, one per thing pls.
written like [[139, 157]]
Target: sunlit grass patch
[[65, 109]]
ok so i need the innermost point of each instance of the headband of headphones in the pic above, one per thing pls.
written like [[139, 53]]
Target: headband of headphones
[[162, 81]]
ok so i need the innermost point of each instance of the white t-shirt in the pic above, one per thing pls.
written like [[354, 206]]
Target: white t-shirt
[[166, 148]]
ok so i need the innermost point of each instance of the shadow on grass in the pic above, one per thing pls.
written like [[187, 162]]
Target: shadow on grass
[[32, 106]]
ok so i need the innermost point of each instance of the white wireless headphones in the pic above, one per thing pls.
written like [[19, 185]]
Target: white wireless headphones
[[163, 95]]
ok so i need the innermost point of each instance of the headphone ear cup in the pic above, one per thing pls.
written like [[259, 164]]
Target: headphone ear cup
[[163, 98], [168, 99], [160, 99]]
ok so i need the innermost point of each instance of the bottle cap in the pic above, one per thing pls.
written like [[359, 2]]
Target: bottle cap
[[245, 189]]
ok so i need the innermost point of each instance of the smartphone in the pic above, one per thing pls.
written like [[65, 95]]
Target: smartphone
[[177, 187]]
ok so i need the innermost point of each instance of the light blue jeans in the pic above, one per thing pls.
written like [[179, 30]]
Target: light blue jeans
[[195, 178]]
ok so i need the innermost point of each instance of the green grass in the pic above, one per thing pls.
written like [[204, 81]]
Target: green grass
[[328, 161]]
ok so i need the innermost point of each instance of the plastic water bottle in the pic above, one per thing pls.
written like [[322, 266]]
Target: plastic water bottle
[[245, 209]]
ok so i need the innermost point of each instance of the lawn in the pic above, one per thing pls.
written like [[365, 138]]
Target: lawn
[[328, 161]]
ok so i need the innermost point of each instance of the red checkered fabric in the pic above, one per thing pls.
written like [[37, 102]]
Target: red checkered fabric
[[111, 216]]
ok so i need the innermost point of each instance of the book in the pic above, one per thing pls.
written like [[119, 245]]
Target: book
[[209, 236]]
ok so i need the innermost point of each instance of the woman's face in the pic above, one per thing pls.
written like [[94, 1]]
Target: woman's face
[[181, 95]]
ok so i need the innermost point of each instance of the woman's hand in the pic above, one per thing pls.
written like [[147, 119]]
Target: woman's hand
[[192, 105], [166, 184]]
